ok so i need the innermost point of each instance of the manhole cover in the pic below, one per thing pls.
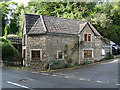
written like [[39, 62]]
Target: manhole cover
[[24, 80]]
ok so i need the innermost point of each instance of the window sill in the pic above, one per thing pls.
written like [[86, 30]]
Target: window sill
[[87, 58]]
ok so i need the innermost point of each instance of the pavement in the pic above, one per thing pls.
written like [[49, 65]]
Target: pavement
[[102, 75]]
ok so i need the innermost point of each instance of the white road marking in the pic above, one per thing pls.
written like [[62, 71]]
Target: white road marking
[[81, 79], [19, 85], [44, 74], [88, 80], [60, 74], [54, 75], [118, 84], [66, 77], [35, 72], [99, 81]]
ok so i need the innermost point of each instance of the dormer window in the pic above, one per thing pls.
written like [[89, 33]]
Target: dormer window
[[87, 37]]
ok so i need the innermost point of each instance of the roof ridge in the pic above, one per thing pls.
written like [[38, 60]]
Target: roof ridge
[[32, 14], [43, 23], [56, 17]]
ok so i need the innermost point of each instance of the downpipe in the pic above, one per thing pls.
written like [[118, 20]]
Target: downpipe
[[79, 49]]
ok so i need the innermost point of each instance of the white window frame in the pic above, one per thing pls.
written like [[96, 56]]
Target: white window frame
[[36, 50], [87, 37], [62, 55], [88, 49], [103, 52]]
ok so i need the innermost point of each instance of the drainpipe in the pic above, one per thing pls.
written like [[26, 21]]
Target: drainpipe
[[79, 49]]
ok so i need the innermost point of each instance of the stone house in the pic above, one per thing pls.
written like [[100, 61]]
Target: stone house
[[47, 38]]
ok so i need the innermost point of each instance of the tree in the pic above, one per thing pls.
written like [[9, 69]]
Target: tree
[[102, 15], [6, 30], [7, 10]]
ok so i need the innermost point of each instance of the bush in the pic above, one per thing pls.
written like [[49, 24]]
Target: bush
[[54, 62], [8, 51], [86, 62], [109, 56]]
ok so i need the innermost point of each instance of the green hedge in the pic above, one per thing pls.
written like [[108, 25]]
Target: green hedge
[[8, 51]]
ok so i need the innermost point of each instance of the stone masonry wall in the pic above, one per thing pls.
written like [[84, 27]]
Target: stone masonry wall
[[67, 44], [50, 44], [35, 42], [94, 45]]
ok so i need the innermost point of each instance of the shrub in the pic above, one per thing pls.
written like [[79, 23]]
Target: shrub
[[8, 51], [69, 65], [109, 56], [54, 62], [86, 62]]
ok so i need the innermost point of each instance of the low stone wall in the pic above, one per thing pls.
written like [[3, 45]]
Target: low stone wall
[[37, 65]]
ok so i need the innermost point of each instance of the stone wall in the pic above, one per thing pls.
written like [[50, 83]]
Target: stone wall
[[94, 45], [49, 44], [68, 44], [35, 42]]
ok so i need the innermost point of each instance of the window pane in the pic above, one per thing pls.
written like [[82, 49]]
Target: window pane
[[87, 53], [85, 37], [35, 55], [60, 55], [89, 37], [38, 54]]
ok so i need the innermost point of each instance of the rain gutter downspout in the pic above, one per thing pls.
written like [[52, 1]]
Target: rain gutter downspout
[[79, 49]]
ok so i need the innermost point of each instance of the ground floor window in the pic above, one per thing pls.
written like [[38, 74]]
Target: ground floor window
[[60, 54], [87, 53], [36, 54]]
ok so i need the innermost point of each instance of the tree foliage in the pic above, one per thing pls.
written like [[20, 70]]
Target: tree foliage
[[105, 16]]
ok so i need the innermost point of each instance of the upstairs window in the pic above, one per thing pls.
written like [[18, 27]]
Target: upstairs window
[[87, 53], [60, 54], [87, 37], [36, 55]]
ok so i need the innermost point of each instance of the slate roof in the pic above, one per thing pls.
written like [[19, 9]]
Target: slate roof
[[37, 24], [30, 20]]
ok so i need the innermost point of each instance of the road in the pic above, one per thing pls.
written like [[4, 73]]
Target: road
[[103, 75]]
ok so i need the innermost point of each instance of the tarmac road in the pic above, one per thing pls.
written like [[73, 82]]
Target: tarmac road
[[103, 75]]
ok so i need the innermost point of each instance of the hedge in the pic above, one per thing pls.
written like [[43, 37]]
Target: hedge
[[8, 50]]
